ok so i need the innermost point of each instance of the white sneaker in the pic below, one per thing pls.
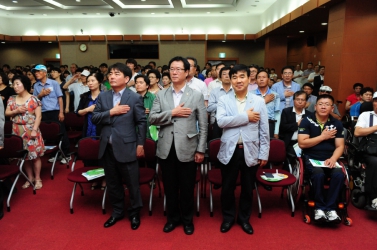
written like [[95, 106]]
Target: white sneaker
[[64, 161], [319, 215], [374, 203], [332, 216], [53, 157]]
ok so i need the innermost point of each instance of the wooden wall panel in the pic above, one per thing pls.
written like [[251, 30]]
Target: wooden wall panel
[[132, 38], [269, 28], [197, 37], [98, 38], [48, 38], [215, 37], [15, 38], [285, 19], [82, 38], [182, 37], [166, 37], [250, 36], [65, 38], [308, 6], [7, 38], [2, 37], [30, 38], [114, 38], [235, 37], [149, 37], [296, 13], [276, 24], [321, 2]]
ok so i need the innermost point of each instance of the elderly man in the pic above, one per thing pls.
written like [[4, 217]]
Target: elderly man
[[321, 138], [244, 147]]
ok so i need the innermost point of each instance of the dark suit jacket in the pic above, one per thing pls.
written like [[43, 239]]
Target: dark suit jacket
[[127, 130], [288, 124], [317, 82]]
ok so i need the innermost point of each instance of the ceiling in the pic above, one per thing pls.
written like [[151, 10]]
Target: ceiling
[[102, 8]]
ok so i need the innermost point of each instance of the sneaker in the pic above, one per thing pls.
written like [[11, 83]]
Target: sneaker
[[374, 204], [65, 160], [332, 216], [319, 215], [53, 157]]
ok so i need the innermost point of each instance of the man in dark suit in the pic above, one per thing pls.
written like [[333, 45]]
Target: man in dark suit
[[121, 114], [318, 80], [182, 116], [290, 120]]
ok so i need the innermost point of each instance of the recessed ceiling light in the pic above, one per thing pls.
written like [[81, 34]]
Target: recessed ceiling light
[[323, 23], [78, 0], [45, 14], [208, 12], [15, 1], [152, 13], [223, 41], [143, 0], [2, 42], [301, 31], [49, 42]]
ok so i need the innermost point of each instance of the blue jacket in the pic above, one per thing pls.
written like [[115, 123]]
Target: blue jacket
[[279, 88]]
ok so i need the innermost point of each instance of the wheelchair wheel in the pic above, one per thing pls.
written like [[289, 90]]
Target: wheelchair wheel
[[307, 219], [348, 222], [358, 198]]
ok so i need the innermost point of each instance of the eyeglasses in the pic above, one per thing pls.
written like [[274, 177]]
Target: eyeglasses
[[287, 73], [324, 104], [176, 70]]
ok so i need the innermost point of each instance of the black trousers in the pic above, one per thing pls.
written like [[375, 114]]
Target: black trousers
[[229, 173], [216, 131], [54, 116], [371, 176], [179, 184], [117, 173], [271, 126]]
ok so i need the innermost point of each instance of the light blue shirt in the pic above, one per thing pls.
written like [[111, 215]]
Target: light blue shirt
[[272, 106], [279, 88], [214, 97], [50, 102]]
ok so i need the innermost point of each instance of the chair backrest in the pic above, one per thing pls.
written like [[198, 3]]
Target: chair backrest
[[88, 148], [13, 147], [213, 150], [277, 151], [73, 121], [50, 130], [149, 150], [8, 127]]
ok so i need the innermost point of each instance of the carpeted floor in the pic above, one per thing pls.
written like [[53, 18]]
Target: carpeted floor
[[43, 221]]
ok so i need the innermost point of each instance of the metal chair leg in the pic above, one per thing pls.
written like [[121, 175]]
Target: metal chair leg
[[198, 199], [210, 200], [259, 201], [150, 198], [103, 201], [53, 165], [11, 192], [72, 197]]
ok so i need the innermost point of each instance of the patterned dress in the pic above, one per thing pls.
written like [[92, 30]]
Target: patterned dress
[[23, 126]]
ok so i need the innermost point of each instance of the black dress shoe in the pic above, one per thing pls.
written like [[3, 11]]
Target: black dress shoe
[[188, 228], [135, 222], [225, 226], [111, 221], [169, 226], [246, 227]]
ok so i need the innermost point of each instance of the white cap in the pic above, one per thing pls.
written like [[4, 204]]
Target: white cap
[[375, 95], [325, 88], [85, 72]]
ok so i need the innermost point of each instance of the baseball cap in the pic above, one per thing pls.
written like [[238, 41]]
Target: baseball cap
[[325, 88], [85, 72], [375, 95], [39, 67]]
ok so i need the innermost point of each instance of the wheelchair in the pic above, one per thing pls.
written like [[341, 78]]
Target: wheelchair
[[305, 193]]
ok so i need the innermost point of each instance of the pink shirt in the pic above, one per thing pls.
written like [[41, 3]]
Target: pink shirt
[[208, 80]]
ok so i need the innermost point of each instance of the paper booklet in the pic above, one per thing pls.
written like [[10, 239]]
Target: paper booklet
[[94, 174], [321, 164]]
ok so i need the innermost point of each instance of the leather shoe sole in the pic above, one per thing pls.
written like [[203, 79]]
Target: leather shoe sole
[[246, 227], [111, 221], [225, 226], [135, 222], [169, 227], [189, 229]]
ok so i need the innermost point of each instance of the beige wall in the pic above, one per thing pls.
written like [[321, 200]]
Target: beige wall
[[247, 52], [97, 52], [27, 53]]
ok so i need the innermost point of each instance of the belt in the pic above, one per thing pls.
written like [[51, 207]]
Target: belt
[[239, 145], [271, 120]]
